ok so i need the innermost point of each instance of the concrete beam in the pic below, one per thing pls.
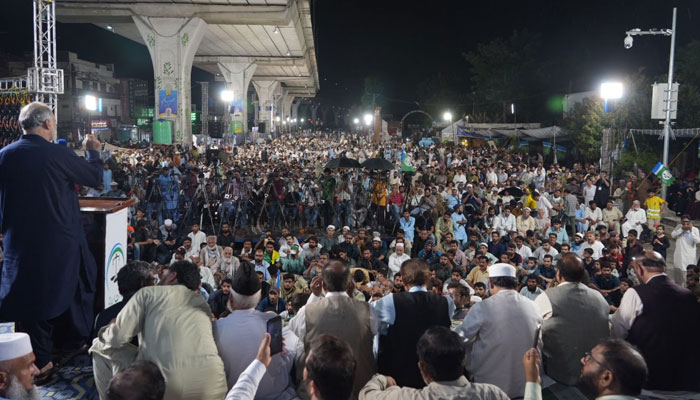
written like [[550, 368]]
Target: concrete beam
[[261, 61], [95, 12]]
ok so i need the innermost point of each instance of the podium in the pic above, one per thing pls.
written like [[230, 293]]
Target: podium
[[105, 221]]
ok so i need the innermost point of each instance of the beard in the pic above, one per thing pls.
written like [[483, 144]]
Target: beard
[[587, 384], [16, 391]]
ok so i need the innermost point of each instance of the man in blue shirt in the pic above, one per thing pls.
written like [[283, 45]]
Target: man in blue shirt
[[408, 224]]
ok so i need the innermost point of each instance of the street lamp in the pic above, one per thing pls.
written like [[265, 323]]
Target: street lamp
[[90, 103], [629, 41], [227, 96], [368, 119], [447, 116]]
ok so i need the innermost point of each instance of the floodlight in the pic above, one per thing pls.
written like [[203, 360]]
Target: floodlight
[[368, 119], [611, 90], [227, 95], [90, 103]]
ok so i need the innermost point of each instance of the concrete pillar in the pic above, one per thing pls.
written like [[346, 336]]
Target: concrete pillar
[[238, 76], [286, 110], [295, 108], [314, 109], [172, 43], [266, 94]]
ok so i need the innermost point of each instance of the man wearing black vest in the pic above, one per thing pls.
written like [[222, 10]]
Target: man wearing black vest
[[663, 320], [404, 317]]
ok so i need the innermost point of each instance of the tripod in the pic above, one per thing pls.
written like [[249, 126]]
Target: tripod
[[257, 227], [199, 194]]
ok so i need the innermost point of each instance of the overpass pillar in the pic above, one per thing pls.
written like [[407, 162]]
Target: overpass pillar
[[295, 108], [238, 76], [314, 111], [266, 97], [287, 101], [172, 43]]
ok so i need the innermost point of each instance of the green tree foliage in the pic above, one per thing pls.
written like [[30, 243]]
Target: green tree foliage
[[505, 71], [586, 123], [375, 92]]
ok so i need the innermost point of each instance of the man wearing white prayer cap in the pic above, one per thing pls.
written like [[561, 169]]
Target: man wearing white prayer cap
[[17, 369], [499, 330]]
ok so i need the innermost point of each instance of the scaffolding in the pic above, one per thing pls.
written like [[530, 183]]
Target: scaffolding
[[44, 79]]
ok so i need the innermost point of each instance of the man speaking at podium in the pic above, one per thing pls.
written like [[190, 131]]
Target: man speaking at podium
[[47, 284]]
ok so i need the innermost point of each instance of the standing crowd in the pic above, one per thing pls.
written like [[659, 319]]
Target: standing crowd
[[458, 273]]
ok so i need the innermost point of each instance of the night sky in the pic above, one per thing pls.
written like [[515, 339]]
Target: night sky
[[403, 42]]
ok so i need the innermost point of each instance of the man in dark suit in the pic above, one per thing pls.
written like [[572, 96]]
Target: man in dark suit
[[48, 276], [661, 318]]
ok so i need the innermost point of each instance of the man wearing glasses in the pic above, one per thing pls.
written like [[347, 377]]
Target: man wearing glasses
[[613, 369]]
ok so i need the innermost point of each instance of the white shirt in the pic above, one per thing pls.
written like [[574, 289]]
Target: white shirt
[[636, 217], [596, 246], [630, 308], [525, 252], [197, 240], [594, 215], [508, 223], [395, 262], [238, 338], [206, 276], [248, 382]]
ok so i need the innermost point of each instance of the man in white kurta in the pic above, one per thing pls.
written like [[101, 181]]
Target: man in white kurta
[[500, 330], [173, 325], [687, 238], [636, 217]]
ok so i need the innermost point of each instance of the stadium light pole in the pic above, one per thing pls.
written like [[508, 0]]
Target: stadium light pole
[[629, 41]]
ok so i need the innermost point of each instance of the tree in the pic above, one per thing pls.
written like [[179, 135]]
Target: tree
[[505, 71], [586, 123], [375, 92]]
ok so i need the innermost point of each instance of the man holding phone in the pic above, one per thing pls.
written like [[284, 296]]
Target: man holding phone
[[238, 335]]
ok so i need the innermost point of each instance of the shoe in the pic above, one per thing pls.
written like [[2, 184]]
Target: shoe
[[47, 376]]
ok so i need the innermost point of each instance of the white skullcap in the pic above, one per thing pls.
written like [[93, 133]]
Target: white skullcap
[[168, 222], [329, 227], [14, 345], [501, 269], [399, 244]]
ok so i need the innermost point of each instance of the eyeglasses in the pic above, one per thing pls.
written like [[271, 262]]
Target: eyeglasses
[[587, 356]]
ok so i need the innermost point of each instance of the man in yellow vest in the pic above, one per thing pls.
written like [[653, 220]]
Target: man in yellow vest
[[655, 206]]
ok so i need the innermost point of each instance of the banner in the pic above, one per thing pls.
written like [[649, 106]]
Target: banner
[[561, 152], [524, 143], [546, 148], [167, 103], [115, 253], [663, 173]]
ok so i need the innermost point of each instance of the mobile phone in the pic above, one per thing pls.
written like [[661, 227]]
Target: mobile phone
[[537, 335], [274, 328]]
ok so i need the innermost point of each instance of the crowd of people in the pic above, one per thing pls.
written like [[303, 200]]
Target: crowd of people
[[458, 273]]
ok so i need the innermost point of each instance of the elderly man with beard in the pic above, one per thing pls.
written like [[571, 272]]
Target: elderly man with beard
[[228, 266], [17, 369]]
